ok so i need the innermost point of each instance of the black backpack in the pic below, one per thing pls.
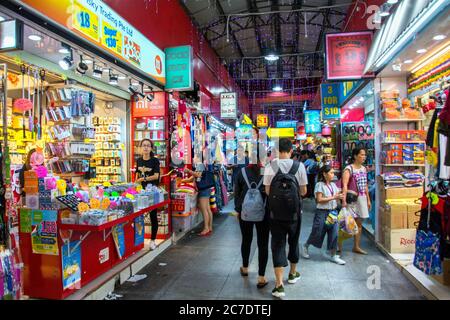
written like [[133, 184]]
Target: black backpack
[[284, 198]]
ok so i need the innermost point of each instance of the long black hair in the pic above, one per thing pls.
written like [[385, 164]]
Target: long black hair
[[151, 143], [355, 153], [322, 171]]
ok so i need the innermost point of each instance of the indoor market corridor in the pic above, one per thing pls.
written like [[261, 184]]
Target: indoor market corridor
[[201, 268]]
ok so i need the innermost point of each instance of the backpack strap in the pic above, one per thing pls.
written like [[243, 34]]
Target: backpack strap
[[244, 174], [294, 169]]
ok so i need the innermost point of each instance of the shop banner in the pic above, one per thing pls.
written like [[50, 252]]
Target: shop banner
[[119, 240], [44, 234], [287, 124], [71, 264], [312, 122], [329, 93], [25, 220], [96, 22], [228, 105], [139, 230], [346, 55], [262, 120], [179, 68], [155, 108]]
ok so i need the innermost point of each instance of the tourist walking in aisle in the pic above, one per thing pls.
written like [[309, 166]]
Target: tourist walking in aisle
[[285, 183], [249, 200], [204, 179], [325, 220], [147, 172], [358, 173]]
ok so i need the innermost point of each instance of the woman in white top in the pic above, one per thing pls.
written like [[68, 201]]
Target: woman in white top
[[325, 220], [362, 207]]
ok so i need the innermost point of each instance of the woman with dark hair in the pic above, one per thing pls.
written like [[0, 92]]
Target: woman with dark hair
[[147, 172], [254, 177], [358, 172], [325, 220]]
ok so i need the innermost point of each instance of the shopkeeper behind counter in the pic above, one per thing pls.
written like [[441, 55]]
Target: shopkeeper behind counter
[[147, 172]]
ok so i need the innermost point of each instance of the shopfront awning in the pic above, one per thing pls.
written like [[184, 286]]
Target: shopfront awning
[[408, 19]]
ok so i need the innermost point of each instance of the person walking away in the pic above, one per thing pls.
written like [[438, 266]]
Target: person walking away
[[250, 205], [325, 220], [311, 171], [285, 183], [147, 172], [240, 161], [205, 181], [358, 172]]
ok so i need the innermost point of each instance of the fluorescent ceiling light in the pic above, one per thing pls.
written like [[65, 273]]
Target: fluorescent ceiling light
[[417, 24], [409, 61], [63, 50], [277, 88], [439, 37], [272, 57], [88, 61], [392, 1], [122, 77], [35, 37], [2, 18], [282, 110], [420, 51], [135, 83], [423, 63]]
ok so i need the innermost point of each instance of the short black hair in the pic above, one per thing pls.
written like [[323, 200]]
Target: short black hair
[[285, 145], [304, 152]]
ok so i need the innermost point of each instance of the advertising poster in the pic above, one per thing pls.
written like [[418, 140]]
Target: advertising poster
[[329, 94], [25, 220], [44, 234], [228, 105], [312, 122], [139, 230], [347, 55], [119, 240], [71, 265]]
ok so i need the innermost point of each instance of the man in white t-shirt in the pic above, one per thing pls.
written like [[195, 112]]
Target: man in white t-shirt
[[282, 229]]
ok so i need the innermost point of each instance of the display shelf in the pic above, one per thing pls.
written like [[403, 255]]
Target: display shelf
[[403, 165], [401, 120], [76, 174], [130, 217], [406, 142], [157, 140]]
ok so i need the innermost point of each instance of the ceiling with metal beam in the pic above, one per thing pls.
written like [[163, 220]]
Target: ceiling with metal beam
[[242, 32]]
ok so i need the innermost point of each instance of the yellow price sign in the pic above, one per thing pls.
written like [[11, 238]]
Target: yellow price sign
[[85, 21], [111, 38], [262, 121]]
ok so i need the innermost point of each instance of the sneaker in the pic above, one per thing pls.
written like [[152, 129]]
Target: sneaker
[[293, 278], [305, 252], [278, 292], [152, 245], [337, 259]]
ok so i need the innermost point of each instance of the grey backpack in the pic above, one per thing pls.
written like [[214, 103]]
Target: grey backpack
[[253, 208]]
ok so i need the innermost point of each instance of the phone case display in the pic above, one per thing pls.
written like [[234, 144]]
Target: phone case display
[[395, 108], [359, 135], [108, 156], [10, 276], [152, 128]]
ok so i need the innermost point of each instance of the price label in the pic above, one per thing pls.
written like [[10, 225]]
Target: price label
[[85, 21], [111, 38]]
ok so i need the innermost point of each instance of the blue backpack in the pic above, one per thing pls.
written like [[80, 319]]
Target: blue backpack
[[253, 208]]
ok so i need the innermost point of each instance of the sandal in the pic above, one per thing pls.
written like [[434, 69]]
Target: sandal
[[360, 251], [244, 274], [261, 285]]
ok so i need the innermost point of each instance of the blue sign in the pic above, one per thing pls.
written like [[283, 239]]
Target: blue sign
[[119, 240], [330, 93], [179, 68], [139, 229], [287, 124], [312, 122], [71, 264]]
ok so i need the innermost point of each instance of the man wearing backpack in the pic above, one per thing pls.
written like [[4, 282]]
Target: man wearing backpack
[[285, 183]]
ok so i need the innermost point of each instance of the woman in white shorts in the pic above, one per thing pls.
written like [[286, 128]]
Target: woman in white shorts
[[358, 172]]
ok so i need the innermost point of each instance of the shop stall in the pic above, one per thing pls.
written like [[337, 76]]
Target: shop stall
[[72, 214]]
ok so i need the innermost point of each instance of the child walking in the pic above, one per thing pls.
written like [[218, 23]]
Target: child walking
[[327, 195]]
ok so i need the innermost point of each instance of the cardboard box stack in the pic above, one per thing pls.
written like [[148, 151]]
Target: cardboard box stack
[[398, 218]]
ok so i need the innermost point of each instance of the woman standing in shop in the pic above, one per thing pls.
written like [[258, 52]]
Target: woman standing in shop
[[147, 172], [358, 172], [205, 181], [253, 177]]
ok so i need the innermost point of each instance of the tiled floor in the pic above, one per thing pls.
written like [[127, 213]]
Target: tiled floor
[[200, 268]]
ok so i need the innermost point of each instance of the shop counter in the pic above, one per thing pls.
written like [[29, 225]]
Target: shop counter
[[62, 258]]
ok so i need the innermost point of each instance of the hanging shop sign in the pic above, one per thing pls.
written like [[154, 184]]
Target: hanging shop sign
[[346, 55], [329, 93], [286, 124], [179, 68], [312, 122], [281, 132], [96, 22], [228, 105], [262, 120], [401, 28], [155, 108], [11, 35]]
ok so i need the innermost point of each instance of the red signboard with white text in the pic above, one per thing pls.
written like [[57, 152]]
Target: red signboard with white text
[[145, 108], [346, 55]]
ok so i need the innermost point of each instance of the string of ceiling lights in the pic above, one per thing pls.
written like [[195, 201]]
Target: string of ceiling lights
[[98, 69]]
